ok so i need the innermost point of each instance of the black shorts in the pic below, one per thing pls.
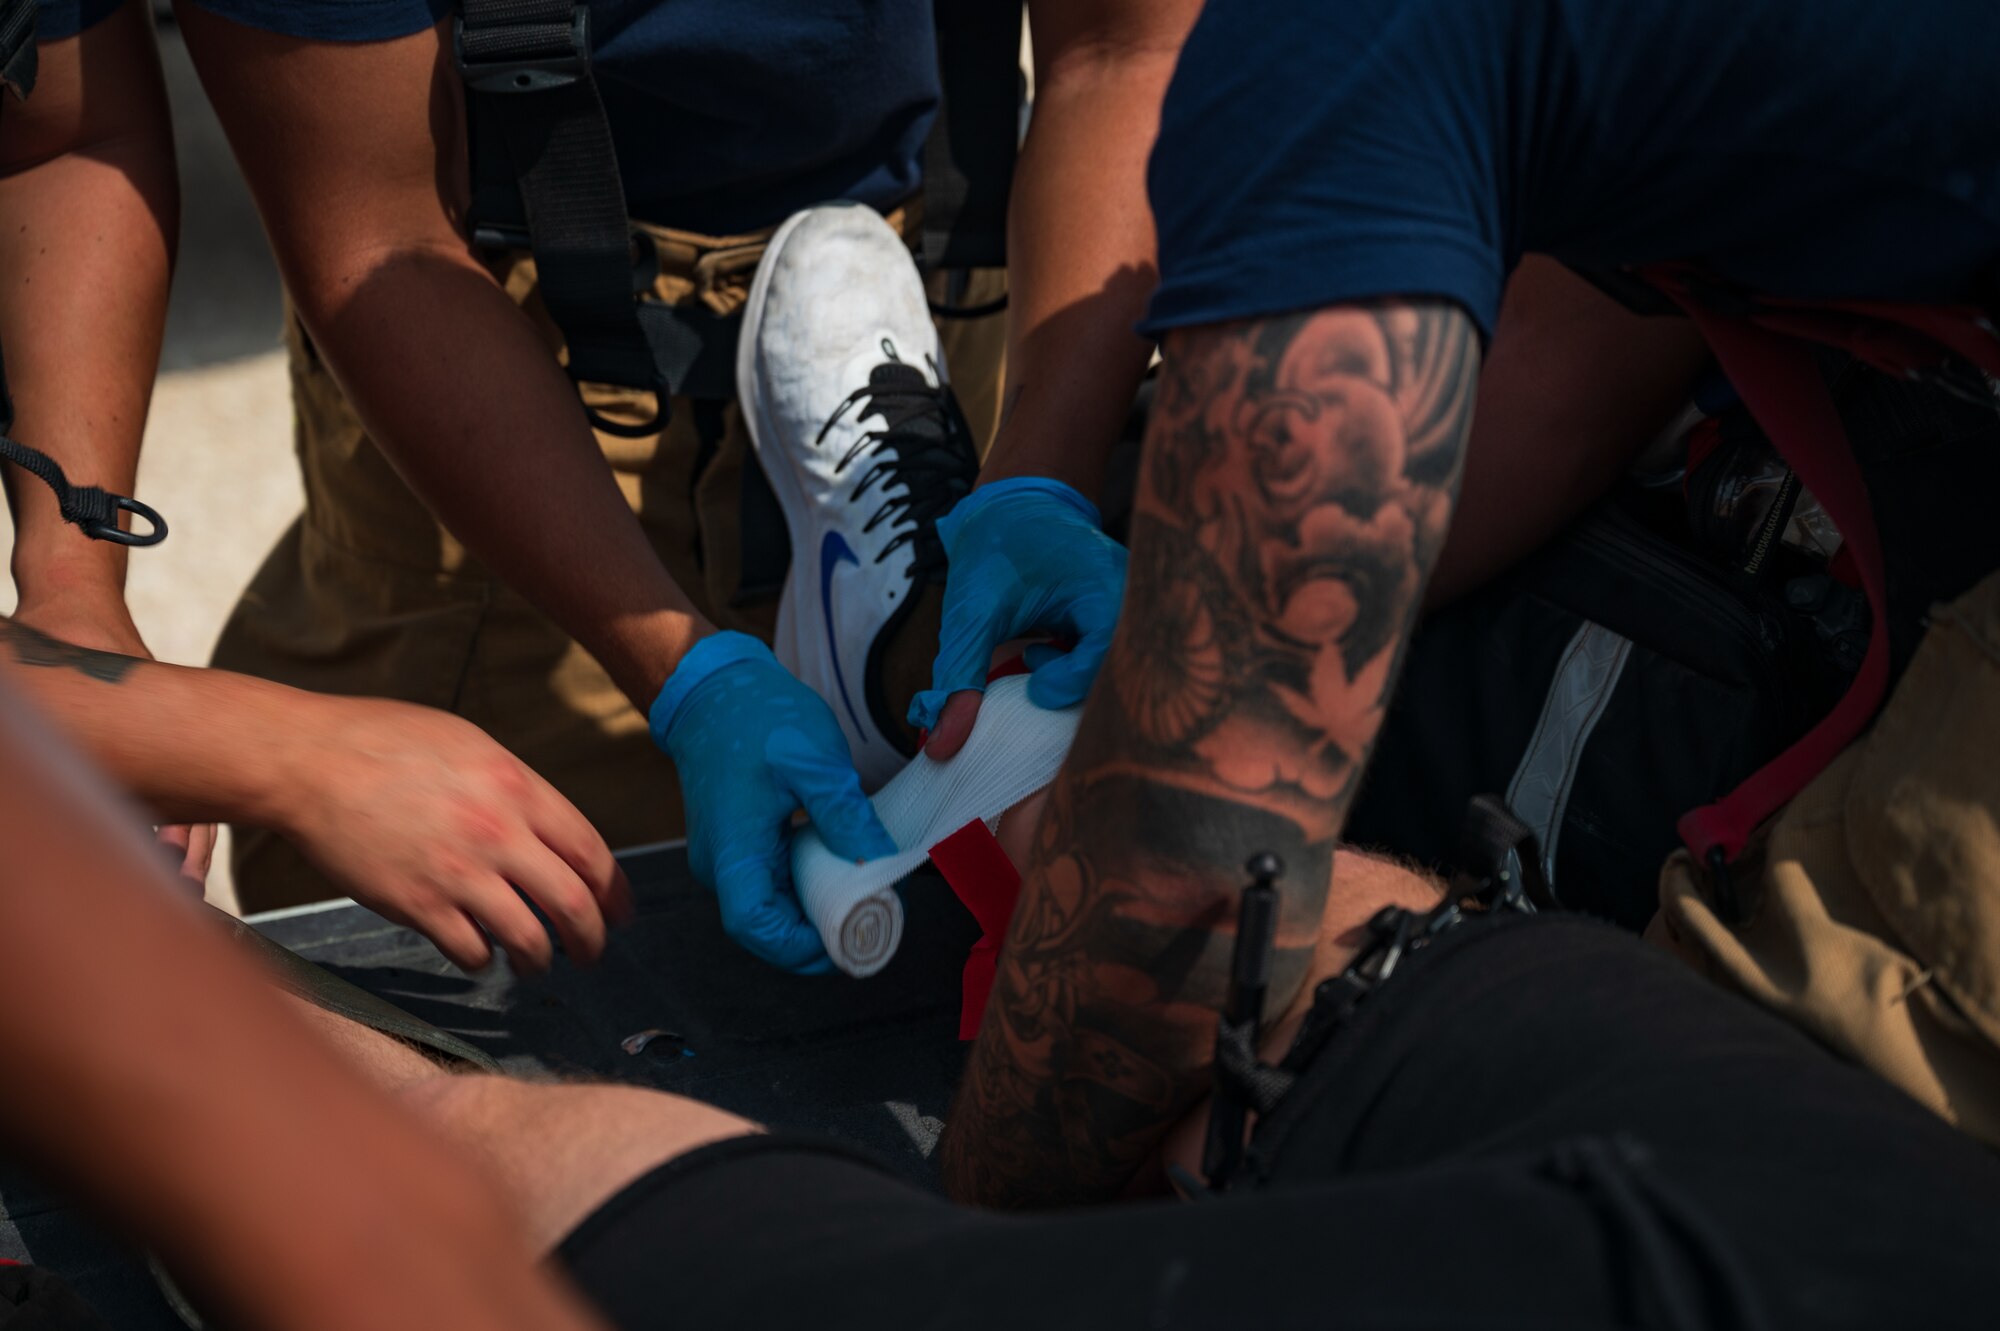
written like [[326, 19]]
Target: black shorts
[[1535, 1122]]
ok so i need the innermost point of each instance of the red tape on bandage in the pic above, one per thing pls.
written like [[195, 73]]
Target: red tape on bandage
[[988, 883]]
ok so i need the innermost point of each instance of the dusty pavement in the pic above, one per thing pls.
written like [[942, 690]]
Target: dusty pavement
[[218, 453]]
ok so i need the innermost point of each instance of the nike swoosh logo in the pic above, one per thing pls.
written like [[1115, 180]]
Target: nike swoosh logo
[[833, 552]]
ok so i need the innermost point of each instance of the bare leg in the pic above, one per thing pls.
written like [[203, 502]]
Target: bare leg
[[558, 1151], [383, 1060], [561, 1151]]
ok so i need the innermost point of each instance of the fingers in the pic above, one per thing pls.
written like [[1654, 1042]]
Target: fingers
[[455, 934], [506, 918], [1059, 679], [191, 847], [546, 879], [954, 724], [830, 792], [569, 834], [965, 647], [201, 851], [612, 889], [763, 916]]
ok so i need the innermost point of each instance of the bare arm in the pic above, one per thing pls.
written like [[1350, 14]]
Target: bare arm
[[417, 813], [355, 156], [1298, 480], [152, 1067], [92, 204], [1574, 387], [1080, 249], [192, 744]]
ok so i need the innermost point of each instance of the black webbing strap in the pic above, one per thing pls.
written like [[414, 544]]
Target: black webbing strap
[[19, 57], [969, 157], [93, 511], [545, 171], [526, 68]]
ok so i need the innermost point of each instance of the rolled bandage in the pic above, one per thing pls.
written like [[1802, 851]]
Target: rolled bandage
[[1013, 751]]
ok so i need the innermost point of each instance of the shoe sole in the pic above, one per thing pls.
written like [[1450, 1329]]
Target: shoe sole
[[787, 637], [748, 392]]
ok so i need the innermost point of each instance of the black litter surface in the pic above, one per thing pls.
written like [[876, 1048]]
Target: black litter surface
[[868, 1061]]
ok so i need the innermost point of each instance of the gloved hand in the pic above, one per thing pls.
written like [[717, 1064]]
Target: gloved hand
[[1025, 555], [752, 744]]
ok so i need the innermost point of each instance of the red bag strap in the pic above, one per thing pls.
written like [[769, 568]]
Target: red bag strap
[[1765, 349], [1780, 384], [1900, 338]]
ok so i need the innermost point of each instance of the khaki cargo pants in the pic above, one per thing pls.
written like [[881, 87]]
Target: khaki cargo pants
[[367, 594], [1872, 902]]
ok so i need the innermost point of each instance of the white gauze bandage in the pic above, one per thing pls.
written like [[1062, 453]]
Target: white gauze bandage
[[1013, 751]]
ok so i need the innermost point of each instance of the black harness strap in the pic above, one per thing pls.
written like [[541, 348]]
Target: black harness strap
[[528, 83], [545, 173], [969, 156]]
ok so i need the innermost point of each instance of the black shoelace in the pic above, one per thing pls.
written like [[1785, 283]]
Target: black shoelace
[[923, 442]]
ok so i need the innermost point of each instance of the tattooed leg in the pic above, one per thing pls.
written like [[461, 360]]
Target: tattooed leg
[[1298, 478]]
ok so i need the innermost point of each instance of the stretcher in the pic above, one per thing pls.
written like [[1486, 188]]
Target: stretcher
[[871, 1062]]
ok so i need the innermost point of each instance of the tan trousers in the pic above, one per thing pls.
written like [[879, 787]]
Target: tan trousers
[[367, 594], [1873, 899]]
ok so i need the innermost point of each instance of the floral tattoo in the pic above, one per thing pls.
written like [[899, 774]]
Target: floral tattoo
[[1298, 479]]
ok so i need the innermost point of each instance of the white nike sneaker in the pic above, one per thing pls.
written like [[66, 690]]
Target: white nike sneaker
[[843, 384]]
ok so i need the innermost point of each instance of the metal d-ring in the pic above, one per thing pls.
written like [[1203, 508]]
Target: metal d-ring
[[112, 532]]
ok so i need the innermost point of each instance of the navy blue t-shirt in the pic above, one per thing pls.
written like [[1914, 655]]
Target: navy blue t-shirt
[[728, 115], [57, 19], [1317, 151]]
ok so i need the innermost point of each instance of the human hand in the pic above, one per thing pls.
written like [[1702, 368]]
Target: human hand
[[1026, 555], [99, 620], [752, 744], [428, 821]]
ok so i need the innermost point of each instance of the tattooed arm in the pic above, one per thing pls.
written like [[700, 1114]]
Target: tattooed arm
[[1298, 479], [187, 742]]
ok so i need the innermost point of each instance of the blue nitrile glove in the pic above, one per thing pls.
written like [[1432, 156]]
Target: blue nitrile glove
[[1025, 555], [752, 744]]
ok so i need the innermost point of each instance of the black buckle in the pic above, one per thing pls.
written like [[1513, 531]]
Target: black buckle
[[536, 72], [1498, 860], [112, 532], [1243, 1020]]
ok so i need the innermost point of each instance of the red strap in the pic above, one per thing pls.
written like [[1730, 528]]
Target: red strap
[[988, 883], [1892, 335], [1702, 440], [1781, 385]]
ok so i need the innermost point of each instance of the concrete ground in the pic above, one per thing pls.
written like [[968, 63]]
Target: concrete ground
[[218, 457]]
